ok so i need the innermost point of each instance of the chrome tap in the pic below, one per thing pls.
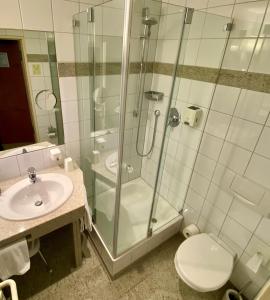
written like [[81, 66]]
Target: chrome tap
[[32, 174]]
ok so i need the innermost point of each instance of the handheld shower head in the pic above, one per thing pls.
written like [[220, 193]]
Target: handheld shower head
[[148, 21]]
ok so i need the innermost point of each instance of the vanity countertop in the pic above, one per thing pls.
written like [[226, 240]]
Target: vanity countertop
[[70, 211]]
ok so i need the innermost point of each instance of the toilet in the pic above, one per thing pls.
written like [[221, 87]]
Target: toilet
[[203, 263]]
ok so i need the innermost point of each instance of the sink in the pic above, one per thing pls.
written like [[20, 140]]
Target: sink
[[111, 163], [25, 200]]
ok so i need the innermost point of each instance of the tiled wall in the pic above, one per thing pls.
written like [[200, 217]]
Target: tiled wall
[[229, 150], [234, 151]]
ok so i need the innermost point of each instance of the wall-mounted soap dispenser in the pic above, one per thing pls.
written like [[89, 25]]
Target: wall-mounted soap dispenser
[[192, 115]]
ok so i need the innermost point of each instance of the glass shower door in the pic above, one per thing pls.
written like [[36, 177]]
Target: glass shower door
[[145, 117], [98, 47], [196, 77]]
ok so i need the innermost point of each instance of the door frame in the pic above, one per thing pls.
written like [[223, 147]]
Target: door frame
[[27, 82]]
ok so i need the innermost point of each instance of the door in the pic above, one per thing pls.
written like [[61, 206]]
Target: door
[[15, 119]]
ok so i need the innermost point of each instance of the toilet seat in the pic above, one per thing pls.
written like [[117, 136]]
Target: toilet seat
[[203, 264]]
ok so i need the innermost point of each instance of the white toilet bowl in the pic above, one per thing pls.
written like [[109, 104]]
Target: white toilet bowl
[[203, 264]]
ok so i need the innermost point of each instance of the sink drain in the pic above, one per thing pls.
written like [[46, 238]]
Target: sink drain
[[38, 203]]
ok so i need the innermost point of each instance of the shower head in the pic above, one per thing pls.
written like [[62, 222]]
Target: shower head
[[148, 21]]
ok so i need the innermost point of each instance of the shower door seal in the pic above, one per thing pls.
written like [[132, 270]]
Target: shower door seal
[[187, 20], [123, 97]]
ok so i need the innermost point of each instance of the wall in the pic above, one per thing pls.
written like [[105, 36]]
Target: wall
[[233, 153], [229, 149]]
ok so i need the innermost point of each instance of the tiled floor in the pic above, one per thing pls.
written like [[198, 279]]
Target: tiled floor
[[153, 277]]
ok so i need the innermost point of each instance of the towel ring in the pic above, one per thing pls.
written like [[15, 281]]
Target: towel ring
[[48, 102]]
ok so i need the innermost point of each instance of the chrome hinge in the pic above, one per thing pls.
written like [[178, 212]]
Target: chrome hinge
[[75, 23], [91, 15], [228, 27], [189, 15]]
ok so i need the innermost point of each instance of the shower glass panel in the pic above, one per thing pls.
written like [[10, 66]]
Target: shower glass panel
[[98, 32], [146, 109], [203, 47], [167, 57]]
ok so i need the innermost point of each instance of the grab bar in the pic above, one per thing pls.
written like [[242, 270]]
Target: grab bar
[[12, 285], [243, 199]]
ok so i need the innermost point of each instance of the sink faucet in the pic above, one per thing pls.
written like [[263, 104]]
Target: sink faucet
[[32, 174]]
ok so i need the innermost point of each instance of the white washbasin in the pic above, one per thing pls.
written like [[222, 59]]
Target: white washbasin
[[25, 200], [111, 163]]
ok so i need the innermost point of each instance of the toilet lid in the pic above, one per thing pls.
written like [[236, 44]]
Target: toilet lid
[[203, 264]]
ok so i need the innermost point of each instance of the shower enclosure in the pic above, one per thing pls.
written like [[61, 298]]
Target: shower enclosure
[[130, 58]]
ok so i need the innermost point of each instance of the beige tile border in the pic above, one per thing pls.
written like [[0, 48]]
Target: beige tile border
[[40, 58], [246, 80]]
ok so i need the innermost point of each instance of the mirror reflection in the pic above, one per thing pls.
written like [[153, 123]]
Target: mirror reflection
[[30, 106]]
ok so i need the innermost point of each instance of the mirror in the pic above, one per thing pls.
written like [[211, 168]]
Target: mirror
[[30, 106]]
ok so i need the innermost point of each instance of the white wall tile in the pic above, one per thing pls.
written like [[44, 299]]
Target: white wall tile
[[194, 200], [223, 11], [185, 155], [223, 177], [113, 21], [64, 47], [71, 131], [215, 216], [10, 16], [166, 51], [210, 53], [211, 146], [37, 15], [262, 231], [217, 124], [197, 4], [244, 133], [205, 166], [197, 24], [219, 198], [199, 184], [253, 106], [225, 99], [62, 15], [213, 3], [234, 157], [201, 93], [214, 26], [190, 137], [263, 146], [32, 159], [244, 215], [248, 18], [9, 168], [191, 52], [238, 54], [259, 170], [68, 88], [248, 189], [70, 111], [236, 232], [259, 62]]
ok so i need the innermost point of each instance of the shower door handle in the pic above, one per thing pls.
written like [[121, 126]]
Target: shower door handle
[[174, 117]]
